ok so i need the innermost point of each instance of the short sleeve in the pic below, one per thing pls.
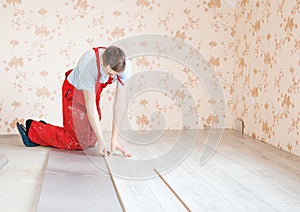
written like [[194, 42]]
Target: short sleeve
[[87, 78], [85, 73]]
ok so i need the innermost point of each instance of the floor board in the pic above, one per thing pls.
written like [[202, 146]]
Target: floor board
[[243, 174]]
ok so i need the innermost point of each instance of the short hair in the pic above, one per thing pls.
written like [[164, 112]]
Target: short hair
[[115, 58]]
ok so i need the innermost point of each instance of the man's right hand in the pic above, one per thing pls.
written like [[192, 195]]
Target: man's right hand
[[102, 149]]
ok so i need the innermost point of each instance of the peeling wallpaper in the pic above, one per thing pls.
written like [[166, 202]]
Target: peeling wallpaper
[[40, 41]]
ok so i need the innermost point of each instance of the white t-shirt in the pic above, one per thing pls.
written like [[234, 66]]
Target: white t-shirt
[[84, 75]]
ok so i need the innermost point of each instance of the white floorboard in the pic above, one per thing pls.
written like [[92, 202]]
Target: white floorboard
[[76, 181], [242, 175]]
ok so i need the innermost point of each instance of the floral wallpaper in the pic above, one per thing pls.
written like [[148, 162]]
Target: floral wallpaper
[[266, 73], [40, 41]]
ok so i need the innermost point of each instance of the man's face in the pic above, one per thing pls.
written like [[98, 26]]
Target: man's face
[[111, 73]]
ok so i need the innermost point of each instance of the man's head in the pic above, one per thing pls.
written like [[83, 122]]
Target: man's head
[[113, 60]]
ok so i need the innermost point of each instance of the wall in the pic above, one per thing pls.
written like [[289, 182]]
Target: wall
[[254, 50], [266, 73], [40, 41]]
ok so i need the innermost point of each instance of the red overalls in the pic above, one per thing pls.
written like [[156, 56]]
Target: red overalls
[[76, 133]]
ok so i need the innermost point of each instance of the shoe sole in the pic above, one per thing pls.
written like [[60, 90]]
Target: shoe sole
[[27, 142]]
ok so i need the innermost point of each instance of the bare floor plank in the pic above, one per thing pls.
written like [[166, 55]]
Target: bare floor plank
[[239, 173], [21, 178], [265, 167], [241, 197], [220, 187], [240, 168], [138, 184], [196, 193], [74, 182]]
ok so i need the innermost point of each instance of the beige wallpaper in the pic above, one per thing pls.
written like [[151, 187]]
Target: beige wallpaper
[[266, 73], [40, 41]]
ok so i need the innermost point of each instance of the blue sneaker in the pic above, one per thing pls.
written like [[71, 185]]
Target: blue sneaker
[[22, 130]]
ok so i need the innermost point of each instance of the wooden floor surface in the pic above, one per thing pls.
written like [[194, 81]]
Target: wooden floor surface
[[242, 174]]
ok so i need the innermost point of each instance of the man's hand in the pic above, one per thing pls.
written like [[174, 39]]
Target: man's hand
[[116, 146], [102, 148]]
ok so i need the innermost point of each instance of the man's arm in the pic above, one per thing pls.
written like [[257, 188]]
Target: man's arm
[[90, 99], [119, 109]]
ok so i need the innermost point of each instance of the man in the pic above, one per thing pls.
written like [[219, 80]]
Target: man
[[81, 91]]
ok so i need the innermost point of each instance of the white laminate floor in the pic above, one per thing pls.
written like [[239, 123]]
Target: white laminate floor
[[167, 173]]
